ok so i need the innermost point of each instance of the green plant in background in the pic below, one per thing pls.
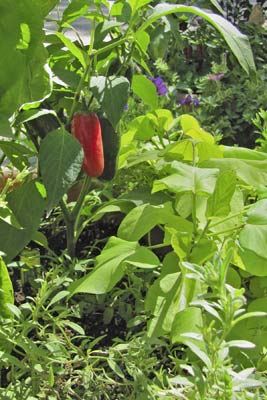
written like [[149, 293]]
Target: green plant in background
[[166, 288]]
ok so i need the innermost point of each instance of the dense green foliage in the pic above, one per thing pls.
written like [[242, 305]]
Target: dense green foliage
[[149, 282]]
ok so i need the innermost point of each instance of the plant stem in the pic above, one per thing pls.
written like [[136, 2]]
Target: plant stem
[[72, 218]]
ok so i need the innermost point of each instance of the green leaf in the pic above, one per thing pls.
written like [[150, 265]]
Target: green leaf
[[142, 219], [145, 90], [185, 321], [27, 205], [202, 251], [75, 10], [142, 39], [250, 172], [170, 293], [253, 251], [257, 214], [238, 43], [47, 6], [136, 4], [219, 202], [109, 268], [78, 53], [13, 240], [243, 153], [112, 94], [6, 290], [253, 240], [60, 160], [191, 128], [23, 78], [188, 179], [144, 127], [18, 154], [253, 328], [143, 258]]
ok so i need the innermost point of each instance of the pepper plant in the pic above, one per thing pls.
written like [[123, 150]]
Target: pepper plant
[[96, 77]]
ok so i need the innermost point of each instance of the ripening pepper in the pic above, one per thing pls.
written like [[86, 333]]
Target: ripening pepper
[[111, 144], [86, 128]]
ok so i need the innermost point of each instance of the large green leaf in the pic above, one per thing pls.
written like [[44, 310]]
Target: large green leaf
[[47, 6], [13, 240], [60, 160], [251, 172], [188, 179], [253, 239], [75, 9], [75, 50], [145, 90], [111, 266], [16, 153], [188, 320], [22, 75], [237, 42], [112, 94], [6, 290], [253, 251], [219, 202], [27, 205], [170, 293], [140, 220]]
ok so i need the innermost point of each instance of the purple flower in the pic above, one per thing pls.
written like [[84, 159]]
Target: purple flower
[[160, 85], [216, 77], [126, 107], [188, 100]]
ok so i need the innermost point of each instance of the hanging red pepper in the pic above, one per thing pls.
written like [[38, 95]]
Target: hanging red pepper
[[86, 128]]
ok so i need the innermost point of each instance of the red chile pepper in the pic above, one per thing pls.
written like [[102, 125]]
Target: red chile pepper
[[86, 128]]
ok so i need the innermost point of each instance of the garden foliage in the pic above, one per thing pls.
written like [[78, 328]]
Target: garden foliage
[[184, 274]]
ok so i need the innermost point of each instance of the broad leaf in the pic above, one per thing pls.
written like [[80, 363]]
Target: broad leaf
[[237, 42], [145, 90], [253, 173], [186, 321], [18, 154], [112, 94], [219, 202], [170, 293], [27, 205], [47, 6], [76, 51], [191, 128], [188, 179], [253, 251], [23, 78], [142, 219], [60, 160], [13, 240], [6, 290], [111, 266]]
